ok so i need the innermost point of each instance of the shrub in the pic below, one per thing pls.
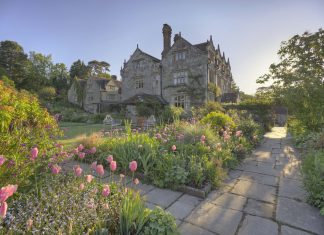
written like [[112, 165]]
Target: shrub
[[251, 130], [313, 177], [160, 222], [218, 121], [23, 124], [47, 93], [64, 208], [210, 106]]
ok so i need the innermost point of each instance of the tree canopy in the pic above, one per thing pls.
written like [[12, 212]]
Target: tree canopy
[[298, 78]]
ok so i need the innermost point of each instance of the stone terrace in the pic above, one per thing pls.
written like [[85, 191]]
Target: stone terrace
[[263, 196]]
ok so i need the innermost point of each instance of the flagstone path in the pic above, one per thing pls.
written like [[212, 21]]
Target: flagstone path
[[263, 196]]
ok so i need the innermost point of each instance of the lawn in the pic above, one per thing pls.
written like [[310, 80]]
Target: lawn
[[73, 131]]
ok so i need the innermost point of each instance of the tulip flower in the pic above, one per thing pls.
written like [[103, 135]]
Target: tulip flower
[[81, 187], [2, 160], [7, 191], [100, 170], [3, 209], [174, 148], [133, 166], [110, 158], [81, 155], [80, 147], [34, 153], [77, 170], [113, 165], [105, 190], [56, 169], [136, 181], [94, 165]]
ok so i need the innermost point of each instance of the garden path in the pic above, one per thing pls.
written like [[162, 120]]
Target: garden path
[[263, 196]]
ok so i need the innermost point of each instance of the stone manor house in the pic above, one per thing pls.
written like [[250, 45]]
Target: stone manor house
[[186, 75]]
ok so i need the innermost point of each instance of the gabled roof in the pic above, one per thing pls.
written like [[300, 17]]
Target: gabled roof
[[152, 57], [202, 46], [116, 83]]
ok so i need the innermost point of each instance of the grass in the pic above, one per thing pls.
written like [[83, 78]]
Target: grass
[[74, 131]]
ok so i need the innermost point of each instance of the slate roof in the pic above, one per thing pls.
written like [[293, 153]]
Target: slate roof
[[202, 46], [152, 57]]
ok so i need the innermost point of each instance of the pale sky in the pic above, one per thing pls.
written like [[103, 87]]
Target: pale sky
[[249, 31]]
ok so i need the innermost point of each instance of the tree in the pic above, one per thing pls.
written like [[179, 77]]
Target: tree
[[60, 78], [79, 69], [99, 68], [39, 71], [298, 78], [14, 61]]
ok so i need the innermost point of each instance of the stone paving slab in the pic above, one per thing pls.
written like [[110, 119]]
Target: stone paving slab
[[258, 208], [259, 178], [190, 229], [216, 219], [254, 190], [300, 215], [162, 197], [183, 206], [285, 230], [230, 201], [142, 188], [253, 225], [292, 189], [259, 167]]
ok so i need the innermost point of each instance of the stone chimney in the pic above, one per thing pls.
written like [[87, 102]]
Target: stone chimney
[[167, 31]]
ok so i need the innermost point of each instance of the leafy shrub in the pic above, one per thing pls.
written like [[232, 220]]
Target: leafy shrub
[[64, 208], [23, 125], [160, 222], [210, 106], [134, 146], [313, 177], [170, 114], [47, 93], [218, 120], [250, 129], [296, 127], [196, 168]]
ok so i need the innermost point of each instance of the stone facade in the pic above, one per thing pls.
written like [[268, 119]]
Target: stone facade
[[98, 93], [187, 75], [140, 75]]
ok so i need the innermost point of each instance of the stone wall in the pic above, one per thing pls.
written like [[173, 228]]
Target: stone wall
[[141, 74]]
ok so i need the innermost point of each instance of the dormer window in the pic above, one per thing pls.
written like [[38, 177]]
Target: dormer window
[[180, 78], [181, 55]]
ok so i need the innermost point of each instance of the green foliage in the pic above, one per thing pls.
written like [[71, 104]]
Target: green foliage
[[14, 61], [313, 176], [210, 106], [196, 169], [7, 81], [134, 146], [99, 69], [250, 129], [218, 120], [23, 124], [47, 93], [170, 114], [298, 78], [214, 89], [79, 69], [133, 214], [160, 222]]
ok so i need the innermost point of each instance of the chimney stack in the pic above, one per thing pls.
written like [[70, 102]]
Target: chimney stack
[[166, 30]]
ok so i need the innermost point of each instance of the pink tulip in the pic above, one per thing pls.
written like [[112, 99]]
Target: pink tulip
[[77, 170], [3, 209], [174, 148], [105, 190], [7, 191], [2, 160], [113, 165], [238, 133], [34, 153], [81, 155], [81, 187], [100, 170], [133, 166], [75, 151], [202, 138], [89, 178], [93, 150], [136, 181], [56, 169], [80, 147], [110, 158], [29, 224], [94, 165], [106, 206]]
